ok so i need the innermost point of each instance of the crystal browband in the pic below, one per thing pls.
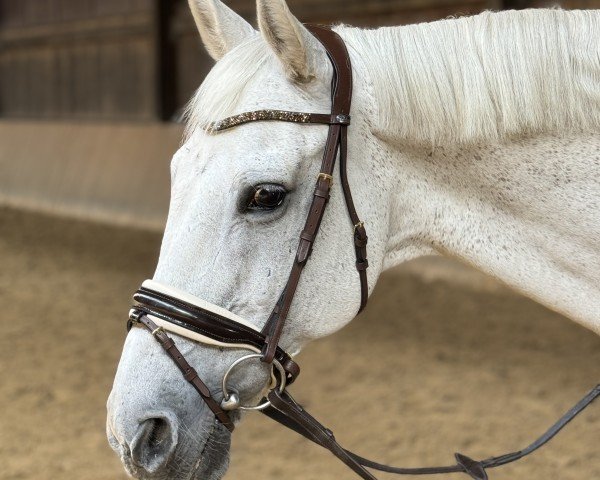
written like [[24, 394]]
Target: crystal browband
[[279, 115]]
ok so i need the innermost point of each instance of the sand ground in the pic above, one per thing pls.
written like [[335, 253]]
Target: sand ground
[[443, 359]]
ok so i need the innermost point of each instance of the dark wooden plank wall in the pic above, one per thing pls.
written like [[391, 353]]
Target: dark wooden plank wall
[[142, 59], [78, 59]]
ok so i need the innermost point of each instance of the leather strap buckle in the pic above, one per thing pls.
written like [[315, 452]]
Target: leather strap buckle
[[325, 176], [134, 318], [158, 331]]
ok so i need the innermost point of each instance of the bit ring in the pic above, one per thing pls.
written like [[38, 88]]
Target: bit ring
[[227, 404]]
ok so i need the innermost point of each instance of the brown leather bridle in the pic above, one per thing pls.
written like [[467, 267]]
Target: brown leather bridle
[[154, 304]]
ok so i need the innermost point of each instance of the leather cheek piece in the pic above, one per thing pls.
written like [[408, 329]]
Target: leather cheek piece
[[309, 237]]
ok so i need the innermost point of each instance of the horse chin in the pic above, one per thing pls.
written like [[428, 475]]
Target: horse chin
[[213, 459]]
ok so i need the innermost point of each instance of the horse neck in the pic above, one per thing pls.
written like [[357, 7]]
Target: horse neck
[[523, 211]]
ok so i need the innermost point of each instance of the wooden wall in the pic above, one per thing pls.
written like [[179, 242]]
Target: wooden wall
[[142, 59], [78, 59]]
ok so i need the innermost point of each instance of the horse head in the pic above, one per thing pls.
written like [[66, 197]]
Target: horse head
[[238, 205]]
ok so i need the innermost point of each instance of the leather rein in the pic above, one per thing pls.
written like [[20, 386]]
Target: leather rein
[[161, 309]]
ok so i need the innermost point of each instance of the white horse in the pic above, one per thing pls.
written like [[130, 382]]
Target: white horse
[[473, 137]]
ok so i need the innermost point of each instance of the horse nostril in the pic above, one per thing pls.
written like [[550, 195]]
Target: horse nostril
[[153, 444]]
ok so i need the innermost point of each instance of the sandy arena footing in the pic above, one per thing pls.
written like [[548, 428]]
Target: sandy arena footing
[[456, 361]]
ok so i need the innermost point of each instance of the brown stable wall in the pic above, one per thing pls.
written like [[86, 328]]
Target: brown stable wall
[[142, 59], [74, 59]]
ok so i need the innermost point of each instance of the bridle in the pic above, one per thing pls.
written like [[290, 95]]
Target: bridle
[[160, 308]]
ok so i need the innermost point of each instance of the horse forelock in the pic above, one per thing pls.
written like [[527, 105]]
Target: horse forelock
[[222, 88]]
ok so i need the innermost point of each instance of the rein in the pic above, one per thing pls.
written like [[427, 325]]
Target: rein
[[161, 309]]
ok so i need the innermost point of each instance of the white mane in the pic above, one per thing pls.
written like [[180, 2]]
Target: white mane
[[485, 77], [461, 80]]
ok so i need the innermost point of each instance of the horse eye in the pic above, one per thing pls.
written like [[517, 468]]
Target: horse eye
[[267, 197]]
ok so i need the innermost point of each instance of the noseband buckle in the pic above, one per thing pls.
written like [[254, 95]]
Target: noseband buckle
[[157, 331]]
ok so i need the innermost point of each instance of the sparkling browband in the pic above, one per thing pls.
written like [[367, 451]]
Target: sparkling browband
[[246, 117], [280, 115]]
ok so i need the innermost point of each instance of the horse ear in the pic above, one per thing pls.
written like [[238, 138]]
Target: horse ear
[[220, 28], [297, 49]]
